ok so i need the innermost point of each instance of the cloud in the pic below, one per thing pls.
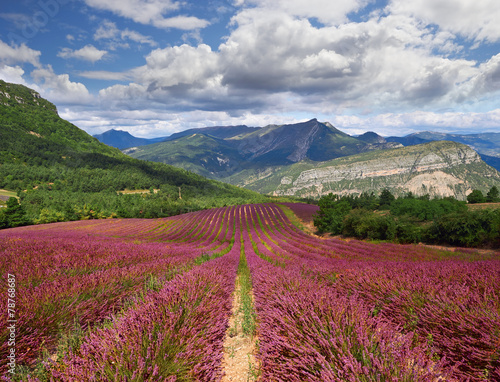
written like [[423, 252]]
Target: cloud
[[59, 88], [105, 75], [273, 60], [179, 65], [400, 124], [10, 55], [278, 62], [181, 22], [87, 53], [326, 11], [150, 12], [383, 61], [13, 74], [475, 20], [485, 82], [109, 31]]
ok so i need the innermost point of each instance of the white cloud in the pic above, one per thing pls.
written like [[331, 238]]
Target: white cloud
[[150, 12], [485, 82], [12, 74], [59, 89], [400, 124], [181, 22], [87, 53], [475, 20], [109, 31], [273, 61], [326, 11], [384, 62], [178, 65], [105, 75], [18, 54]]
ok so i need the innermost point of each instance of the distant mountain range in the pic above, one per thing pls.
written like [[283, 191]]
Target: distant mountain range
[[275, 159], [486, 144], [123, 139], [221, 152]]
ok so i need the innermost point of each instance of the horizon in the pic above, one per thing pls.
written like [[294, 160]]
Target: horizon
[[156, 67], [353, 135]]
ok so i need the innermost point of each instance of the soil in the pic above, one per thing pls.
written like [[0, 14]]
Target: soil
[[239, 363]]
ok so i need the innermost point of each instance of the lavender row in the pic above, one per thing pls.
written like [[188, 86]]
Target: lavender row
[[82, 275], [308, 332], [174, 334], [442, 301]]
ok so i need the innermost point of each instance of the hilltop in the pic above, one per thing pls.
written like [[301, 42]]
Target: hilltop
[[486, 144], [123, 139]]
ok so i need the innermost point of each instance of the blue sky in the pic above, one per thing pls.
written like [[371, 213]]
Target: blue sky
[[155, 67]]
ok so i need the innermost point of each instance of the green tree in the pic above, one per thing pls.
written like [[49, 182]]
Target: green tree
[[49, 216], [385, 199], [14, 215], [364, 224], [493, 195], [476, 196], [331, 214]]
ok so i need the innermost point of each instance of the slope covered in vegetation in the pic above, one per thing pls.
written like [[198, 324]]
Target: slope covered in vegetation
[[62, 173]]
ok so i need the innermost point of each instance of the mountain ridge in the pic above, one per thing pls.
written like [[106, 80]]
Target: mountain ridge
[[123, 139]]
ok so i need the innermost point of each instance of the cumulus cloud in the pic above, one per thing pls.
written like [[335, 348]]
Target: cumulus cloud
[[384, 61], [87, 53], [326, 11], [475, 20], [13, 74], [486, 80], [59, 89], [276, 61], [150, 12], [10, 55]]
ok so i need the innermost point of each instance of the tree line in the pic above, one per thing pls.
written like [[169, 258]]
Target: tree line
[[412, 219]]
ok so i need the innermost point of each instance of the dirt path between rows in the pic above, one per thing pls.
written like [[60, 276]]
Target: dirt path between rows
[[239, 363]]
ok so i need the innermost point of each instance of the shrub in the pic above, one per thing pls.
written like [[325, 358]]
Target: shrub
[[365, 224]]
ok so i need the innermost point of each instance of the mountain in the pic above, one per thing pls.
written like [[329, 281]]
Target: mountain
[[235, 148], [437, 168], [203, 154], [123, 139], [222, 132], [59, 168], [486, 144]]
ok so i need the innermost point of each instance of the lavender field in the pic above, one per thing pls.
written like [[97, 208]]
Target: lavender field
[[150, 300]]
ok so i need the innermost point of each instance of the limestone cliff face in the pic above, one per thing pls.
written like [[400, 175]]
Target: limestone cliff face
[[437, 168]]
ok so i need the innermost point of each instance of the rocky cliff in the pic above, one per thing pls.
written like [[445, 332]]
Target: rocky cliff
[[437, 168]]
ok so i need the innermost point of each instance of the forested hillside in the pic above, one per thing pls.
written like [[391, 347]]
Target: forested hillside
[[62, 173]]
